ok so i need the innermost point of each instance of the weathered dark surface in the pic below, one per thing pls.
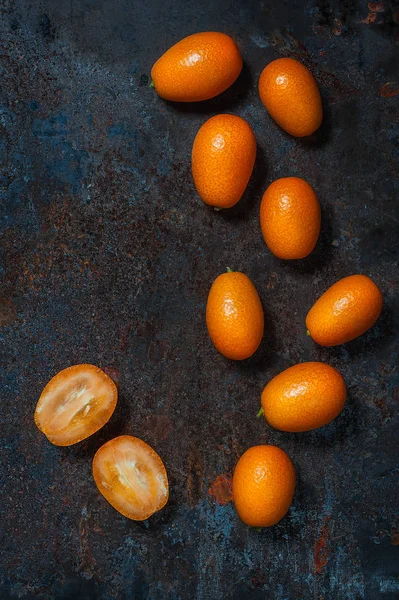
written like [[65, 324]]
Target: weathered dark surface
[[107, 255]]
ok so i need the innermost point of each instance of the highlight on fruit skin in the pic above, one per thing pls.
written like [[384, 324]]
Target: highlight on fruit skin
[[131, 476], [291, 96], [305, 396], [223, 158], [263, 485], [199, 67], [345, 311], [76, 403], [234, 315], [290, 218]]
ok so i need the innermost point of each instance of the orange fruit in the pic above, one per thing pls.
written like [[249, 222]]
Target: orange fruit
[[198, 67], [263, 485], [346, 310], [291, 96], [223, 158], [304, 397], [75, 403], [131, 476], [290, 218], [234, 316]]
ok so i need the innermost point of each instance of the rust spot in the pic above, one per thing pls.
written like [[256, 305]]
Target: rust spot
[[389, 89], [259, 579], [337, 29], [377, 7], [160, 426], [87, 564], [195, 478], [271, 284], [371, 17], [157, 351], [374, 8], [67, 501], [379, 535], [112, 374], [395, 539], [318, 29], [321, 548], [221, 489], [387, 369], [8, 312], [125, 337], [386, 413]]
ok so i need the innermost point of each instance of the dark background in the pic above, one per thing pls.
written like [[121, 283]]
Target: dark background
[[107, 256]]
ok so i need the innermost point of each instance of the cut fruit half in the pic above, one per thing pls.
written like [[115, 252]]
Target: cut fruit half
[[75, 404], [131, 476]]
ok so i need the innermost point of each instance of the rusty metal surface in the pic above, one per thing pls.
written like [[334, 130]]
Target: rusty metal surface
[[107, 256]]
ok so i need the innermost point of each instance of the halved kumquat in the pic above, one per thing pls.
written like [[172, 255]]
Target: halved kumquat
[[131, 476], [75, 403]]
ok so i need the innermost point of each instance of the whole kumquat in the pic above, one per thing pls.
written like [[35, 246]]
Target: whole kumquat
[[304, 397], [234, 315], [290, 95], [263, 485], [223, 158], [290, 218], [198, 67], [346, 310]]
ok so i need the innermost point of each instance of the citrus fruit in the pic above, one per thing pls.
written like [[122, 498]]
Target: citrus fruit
[[75, 403], [223, 158], [290, 218], [304, 397], [234, 315], [291, 96], [198, 67], [263, 485], [346, 310], [131, 476]]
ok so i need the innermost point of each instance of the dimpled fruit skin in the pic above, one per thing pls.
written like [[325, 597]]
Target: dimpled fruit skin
[[346, 310], [290, 218], [234, 316], [263, 485], [223, 158], [304, 397], [198, 67], [291, 96]]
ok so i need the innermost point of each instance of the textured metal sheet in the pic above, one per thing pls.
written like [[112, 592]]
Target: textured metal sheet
[[107, 256]]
